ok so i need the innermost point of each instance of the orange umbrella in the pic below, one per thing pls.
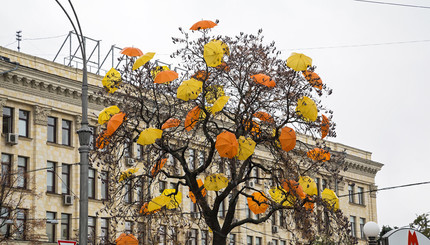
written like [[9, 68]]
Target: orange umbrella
[[203, 191], [263, 80], [309, 206], [144, 209], [172, 122], [201, 75], [318, 154], [226, 144], [203, 24], [102, 140], [253, 127], [158, 166], [258, 203], [264, 116], [325, 125], [114, 122], [313, 79], [294, 187], [131, 51], [165, 76], [287, 139], [126, 239], [192, 118]]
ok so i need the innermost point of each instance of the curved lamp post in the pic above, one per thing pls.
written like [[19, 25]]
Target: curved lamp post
[[371, 231], [84, 133]]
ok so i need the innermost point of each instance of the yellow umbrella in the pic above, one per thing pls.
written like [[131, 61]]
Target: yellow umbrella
[[158, 69], [127, 173], [215, 182], [278, 194], [189, 89], [307, 109], [143, 60], [149, 135], [213, 92], [308, 184], [246, 148], [112, 80], [219, 104], [174, 199], [107, 113], [158, 202], [299, 62], [330, 197], [213, 52]]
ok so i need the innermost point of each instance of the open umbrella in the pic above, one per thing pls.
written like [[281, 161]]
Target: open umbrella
[[226, 144], [143, 60], [308, 185], [246, 148], [203, 24], [203, 191], [279, 195], [126, 239], [318, 154], [102, 140], [158, 166], [313, 79], [307, 109], [144, 209], [201, 75], [172, 122], [149, 136], [308, 206], [174, 199], [112, 80], [299, 62], [107, 113], [131, 51], [158, 202], [158, 69], [258, 203], [127, 174], [325, 125], [165, 76], [264, 116], [213, 92], [252, 127], [263, 80], [189, 89], [192, 118], [213, 52], [287, 139], [330, 197], [215, 182], [114, 122], [219, 104], [293, 187]]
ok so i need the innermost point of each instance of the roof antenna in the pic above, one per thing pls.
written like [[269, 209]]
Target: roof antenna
[[18, 38]]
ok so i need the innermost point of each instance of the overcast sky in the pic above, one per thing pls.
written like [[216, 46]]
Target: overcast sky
[[376, 57]]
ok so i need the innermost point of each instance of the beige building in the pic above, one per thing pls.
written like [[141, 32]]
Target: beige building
[[40, 109]]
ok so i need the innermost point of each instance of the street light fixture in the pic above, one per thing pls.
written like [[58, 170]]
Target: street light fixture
[[371, 231]]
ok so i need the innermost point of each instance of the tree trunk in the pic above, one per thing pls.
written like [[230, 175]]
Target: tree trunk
[[219, 239]]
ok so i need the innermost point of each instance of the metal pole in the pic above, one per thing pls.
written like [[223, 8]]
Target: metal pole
[[373, 241]]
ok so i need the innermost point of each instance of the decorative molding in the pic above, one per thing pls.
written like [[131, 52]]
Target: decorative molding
[[78, 120], [41, 115], [2, 103]]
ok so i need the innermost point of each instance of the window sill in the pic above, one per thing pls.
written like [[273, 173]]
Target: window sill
[[52, 194], [356, 204], [24, 138], [60, 145]]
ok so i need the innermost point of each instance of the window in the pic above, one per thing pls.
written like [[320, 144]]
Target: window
[[65, 179], [352, 222], [232, 239], [65, 226], [7, 120], [274, 242], [139, 190], [204, 237], [317, 181], [128, 227], [128, 192], [6, 160], [201, 158], [258, 241], [173, 235], [283, 242], [351, 192], [91, 183], [50, 177], [91, 230], [20, 224], [22, 172], [162, 235], [192, 237], [323, 184], [274, 219], [191, 159], [142, 229], [161, 185], [362, 222], [23, 123], [193, 210], [249, 240], [139, 152], [282, 219], [52, 129], [4, 228], [66, 129], [255, 175], [104, 231], [50, 226], [221, 210], [104, 175], [248, 212], [360, 195]]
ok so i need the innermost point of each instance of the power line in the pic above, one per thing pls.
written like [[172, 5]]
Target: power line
[[395, 4], [388, 188], [44, 38]]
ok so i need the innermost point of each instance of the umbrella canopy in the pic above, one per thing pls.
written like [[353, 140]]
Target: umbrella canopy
[[126, 239], [107, 113], [112, 80], [307, 109], [143, 60], [144, 209], [189, 89], [287, 139], [157, 167], [165, 76], [203, 191], [263, 80], [308, 185], [313, 79], [318, 154], [102, 140], [279, 195], [215, 182], [149, 135], [131, 51], [203, 24], [258, 203], [158, 69], [214, 92], [294, 188], [252, 127], [330, 197], [201, 75], [264, 116], [192, 118], [158, 202], [172, 122], [214, 51], [299, 62], [219, 104], [127, 174], [174, 199], [309, 206], [325, 126], [114, 122], [246, 148], [226, 144]]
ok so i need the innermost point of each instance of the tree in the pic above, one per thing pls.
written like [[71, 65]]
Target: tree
[[262, 106], [422, 224]]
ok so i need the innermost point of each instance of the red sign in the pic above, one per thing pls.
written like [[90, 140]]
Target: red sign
[[64, 242], [412, 238]]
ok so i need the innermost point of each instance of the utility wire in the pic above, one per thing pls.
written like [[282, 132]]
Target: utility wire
[[387, 188], [10, 44], [44, 38], [395, 4]]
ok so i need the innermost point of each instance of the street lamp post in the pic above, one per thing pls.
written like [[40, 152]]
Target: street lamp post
[[371, 231], [84, 133]]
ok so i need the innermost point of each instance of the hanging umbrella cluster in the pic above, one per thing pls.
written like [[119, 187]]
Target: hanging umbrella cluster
[[203, 24], [215, 182], [307, 109], [126, 239], [203, 191], [263, 80], [299, 62], [142, 60], [113, 124], [319, 155], [149, 136], [112, 80], [325, 126], [127, 174], [287, 139], [131, 51], [258, 203], [158, 166], [189, 89], [107, 113], [246, 148], [227, 145], [330, 197]]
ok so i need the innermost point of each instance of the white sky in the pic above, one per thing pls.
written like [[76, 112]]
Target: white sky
[[380, 95]]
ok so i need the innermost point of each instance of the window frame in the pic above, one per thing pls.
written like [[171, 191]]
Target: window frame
[[65, 222], [104, 185], [4, 216], [7, 127], [128, 195], [65, 176], [351, 193], [249, 240], [104, 231], [51, 173], [24, 120], [92, 229], [20, 234], [52, 225], [362, 223], [92, 183], [52, 127], [22, 173], [360, 194], [6, 166], [66, 130], [352, 221]]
